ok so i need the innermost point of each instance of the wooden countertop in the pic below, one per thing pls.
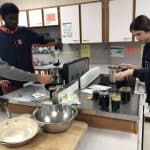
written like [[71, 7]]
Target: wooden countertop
[[67, 140]]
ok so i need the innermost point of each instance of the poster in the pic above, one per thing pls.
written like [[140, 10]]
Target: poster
[[50, 16], [116, 51], [131, 50], [23, 18], [85, 50], [67, 29], [35, 18]]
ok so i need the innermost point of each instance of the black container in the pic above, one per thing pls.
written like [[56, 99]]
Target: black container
[[115, 106], [125, 94], [95, 96], [125, 97], [121, 83], [104, 100]]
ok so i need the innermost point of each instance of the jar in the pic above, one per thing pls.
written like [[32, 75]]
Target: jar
[[125, 94], [95, 96], [115, 101], [104, 100], [112, 71]]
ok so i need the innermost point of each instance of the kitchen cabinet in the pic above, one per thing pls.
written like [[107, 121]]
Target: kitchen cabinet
[[120, 17], [35, 18], [23, 21], [91, 22], [50, 16], [69, 21], [142, 8]]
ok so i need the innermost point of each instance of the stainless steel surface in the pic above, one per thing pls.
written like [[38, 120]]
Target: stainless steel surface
[[25, 95], [55, 118], [127, 111]]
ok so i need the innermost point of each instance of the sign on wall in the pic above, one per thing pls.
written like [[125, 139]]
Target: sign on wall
[[35, 18], [23, 18], [50, 16]]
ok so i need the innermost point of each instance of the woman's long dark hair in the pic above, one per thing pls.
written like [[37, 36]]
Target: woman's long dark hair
[[141, 22]]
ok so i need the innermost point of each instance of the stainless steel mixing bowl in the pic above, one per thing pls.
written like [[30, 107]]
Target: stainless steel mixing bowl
[[55, 118]]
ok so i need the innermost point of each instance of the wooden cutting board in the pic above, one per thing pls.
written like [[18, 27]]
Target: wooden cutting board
[[67, 140]]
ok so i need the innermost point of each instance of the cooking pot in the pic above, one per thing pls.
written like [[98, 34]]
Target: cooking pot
[[55, 118]]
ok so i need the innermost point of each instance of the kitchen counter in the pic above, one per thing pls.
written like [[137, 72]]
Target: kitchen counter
[[67, 140], [25, 96], [22, 101]]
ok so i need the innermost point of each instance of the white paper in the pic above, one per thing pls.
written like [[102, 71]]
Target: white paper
[[38, 95], [99, 87]]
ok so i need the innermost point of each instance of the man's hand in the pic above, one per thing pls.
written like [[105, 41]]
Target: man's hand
[[5, 83], [58, 44], [45, 79]]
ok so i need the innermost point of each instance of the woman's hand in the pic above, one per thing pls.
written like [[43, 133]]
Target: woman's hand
[[123, 74], [4, 83]]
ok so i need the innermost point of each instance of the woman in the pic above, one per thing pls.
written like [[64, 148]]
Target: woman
[[140, 29]]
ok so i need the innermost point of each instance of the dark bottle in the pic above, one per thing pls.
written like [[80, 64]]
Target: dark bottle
[[95, 96], [121, 83], [104, 100], [125, 94]]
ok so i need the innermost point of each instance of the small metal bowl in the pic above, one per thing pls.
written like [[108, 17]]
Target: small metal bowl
[[55, 118]]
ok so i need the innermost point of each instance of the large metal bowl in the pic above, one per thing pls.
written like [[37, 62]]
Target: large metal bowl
[[55, 118]]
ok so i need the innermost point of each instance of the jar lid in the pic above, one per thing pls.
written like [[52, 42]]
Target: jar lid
[[103, 92]]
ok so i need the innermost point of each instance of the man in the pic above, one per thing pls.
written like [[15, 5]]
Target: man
[[140, 28], [16, 42]]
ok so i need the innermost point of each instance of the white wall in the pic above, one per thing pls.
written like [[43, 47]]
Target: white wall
[[29, 4]]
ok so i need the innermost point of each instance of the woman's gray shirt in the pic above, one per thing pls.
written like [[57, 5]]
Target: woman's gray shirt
[[10, 72]]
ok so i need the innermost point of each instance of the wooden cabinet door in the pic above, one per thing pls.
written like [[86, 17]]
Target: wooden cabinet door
[[142, 8], [120, 17], [69, 21], [91, 22]]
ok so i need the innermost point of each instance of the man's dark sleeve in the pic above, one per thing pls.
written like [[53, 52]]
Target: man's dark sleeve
[[37, 38]]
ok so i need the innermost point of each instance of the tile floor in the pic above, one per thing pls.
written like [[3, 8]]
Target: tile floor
[[101, 139], [146, 140]]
